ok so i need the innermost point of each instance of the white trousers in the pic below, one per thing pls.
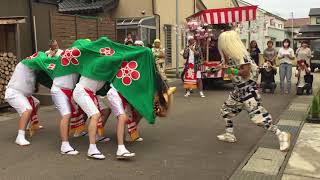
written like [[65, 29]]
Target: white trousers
[[19, 101], [60, 100], [115, 102], [82, 98]]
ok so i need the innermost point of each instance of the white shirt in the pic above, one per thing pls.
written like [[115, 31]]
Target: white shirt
[[191, 57], [282, 52], [68, 81], [301, 82], [56, 54], [23, 79], [304, 54], [92, 85]]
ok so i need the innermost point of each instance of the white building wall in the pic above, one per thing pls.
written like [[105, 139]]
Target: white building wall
[[263, 29]]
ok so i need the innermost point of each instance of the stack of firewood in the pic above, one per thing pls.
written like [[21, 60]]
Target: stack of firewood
[[8, 62]]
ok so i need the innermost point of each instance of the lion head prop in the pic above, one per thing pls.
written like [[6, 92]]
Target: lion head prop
[[163, 98]]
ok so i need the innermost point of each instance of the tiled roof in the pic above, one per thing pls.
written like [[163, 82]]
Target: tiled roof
[[314, 12], [297, 22], [76, 6], [310, 28]]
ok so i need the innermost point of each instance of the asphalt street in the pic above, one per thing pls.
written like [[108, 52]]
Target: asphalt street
[[181, 146]]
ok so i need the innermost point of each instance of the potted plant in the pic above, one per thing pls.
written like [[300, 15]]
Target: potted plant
[[314, 115]]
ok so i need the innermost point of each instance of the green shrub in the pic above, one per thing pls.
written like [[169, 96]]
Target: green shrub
[[315, 108]]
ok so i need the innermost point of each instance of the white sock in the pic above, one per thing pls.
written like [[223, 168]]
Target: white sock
[[65, 146], [229, 130], [93, 149], [121, 149], [21, 134]]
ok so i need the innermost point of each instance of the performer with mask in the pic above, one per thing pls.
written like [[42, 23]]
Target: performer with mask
[[245, 95]]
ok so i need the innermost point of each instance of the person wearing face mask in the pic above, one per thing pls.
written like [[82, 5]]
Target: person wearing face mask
[[303, 83], [286, 56], [268, 73], [304, 52]]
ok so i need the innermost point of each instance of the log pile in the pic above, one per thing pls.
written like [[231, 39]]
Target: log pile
[[8, 62]]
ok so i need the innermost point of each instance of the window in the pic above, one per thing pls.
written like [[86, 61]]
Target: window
[[278, 43], [168, 43], [318, 20], [272, 22]]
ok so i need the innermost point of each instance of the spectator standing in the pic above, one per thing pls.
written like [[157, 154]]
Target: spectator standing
[[139, 43], [270, 54], [128, 38], [254, 51], [54, 50], [159, 55], [304, 53], [192, 76], [286, 56]]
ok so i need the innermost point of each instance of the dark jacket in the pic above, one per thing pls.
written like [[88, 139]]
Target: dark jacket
[[255, 55], [268, 76], [197, 57]]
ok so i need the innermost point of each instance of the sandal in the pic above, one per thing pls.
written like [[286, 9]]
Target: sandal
[[102, 139], [126, 155], [82, 134], [70, 152], [98, 156]]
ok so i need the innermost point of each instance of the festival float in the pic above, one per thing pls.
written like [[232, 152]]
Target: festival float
[[206, 26]]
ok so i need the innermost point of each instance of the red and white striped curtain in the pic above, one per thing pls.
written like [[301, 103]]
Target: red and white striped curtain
[[226, 15]]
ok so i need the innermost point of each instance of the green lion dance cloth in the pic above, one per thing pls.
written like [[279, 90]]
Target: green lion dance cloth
[[130, 69]]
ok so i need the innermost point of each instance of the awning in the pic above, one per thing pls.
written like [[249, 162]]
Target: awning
[[149, 22], [226, 15]]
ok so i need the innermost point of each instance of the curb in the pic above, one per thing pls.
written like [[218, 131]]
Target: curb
[[265, 161]]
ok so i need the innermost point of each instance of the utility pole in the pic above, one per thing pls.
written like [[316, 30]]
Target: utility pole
[[249, 34], [177, 38], [292, 29]]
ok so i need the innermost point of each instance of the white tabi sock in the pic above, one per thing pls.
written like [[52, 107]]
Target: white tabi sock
[[121, 149], [93, 149], [21, 134], [229, 130], [65, 146]]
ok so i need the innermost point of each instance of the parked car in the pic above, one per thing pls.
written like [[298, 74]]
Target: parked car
[[315, 60]]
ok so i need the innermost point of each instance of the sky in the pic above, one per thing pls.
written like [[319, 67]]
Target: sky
[[300, 8]]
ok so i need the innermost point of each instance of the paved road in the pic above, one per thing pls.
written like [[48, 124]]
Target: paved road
[[182, 146]]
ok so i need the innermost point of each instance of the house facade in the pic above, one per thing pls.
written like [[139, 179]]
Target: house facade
[[294, 25], [151, 19], [311, 31], [266, 27]]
